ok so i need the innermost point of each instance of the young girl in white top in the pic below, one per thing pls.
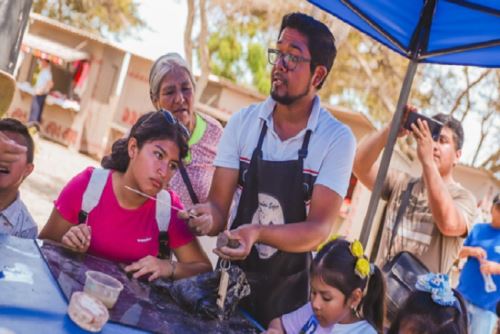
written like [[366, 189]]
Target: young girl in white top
[[347, 295]]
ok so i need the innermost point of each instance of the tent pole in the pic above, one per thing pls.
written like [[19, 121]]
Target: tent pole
[[386, 157]]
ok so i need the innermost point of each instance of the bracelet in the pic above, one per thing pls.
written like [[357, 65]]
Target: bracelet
[[172, 273]]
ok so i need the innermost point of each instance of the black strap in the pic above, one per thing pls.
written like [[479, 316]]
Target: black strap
[[261, 140], [305, 144], [82, 217], [405, 199], [187, 182], [164, 251]]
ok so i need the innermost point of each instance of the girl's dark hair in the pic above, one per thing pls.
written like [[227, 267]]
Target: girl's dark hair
[[335, 265], [427, 317], [150, 126]]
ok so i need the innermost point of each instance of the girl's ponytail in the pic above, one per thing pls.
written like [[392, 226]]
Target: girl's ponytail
[[373, 303], [118, 159]]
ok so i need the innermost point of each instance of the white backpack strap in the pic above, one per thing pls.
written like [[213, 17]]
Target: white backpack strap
[[94, 190], [163, 210]]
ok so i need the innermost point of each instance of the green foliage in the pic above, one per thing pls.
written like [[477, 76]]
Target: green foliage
[[225, 51], [118, 17], [257, 62]]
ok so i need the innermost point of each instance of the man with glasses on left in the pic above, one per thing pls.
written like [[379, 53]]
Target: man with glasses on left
[[292, 153]]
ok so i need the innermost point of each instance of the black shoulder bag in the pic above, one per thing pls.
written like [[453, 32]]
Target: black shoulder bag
[[402, 270]]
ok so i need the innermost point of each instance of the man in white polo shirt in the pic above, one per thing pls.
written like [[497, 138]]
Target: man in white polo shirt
[[287, 163]]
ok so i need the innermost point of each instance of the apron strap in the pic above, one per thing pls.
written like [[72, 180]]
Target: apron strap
[[258, 149], [305, 144]]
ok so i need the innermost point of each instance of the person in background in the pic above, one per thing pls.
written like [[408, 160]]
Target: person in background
[[172, 88], [434, 308], [123, 227], [15, 166], [285, 164], [347, 295], [480, 278], [42, 88], [440, 211]]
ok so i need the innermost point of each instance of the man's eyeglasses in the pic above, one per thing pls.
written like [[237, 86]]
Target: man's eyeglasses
[[167, 115], [290, 61]]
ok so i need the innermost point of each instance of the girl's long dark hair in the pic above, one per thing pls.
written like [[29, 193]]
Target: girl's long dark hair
[[427, 317], [335, 264], [150, 126]]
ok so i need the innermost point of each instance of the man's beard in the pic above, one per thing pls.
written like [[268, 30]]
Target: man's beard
[[288, 99]]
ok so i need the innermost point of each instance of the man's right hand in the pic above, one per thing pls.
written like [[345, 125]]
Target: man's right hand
[[199, 218], [10, 151]]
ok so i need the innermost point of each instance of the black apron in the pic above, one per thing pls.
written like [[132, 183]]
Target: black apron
[[279, 280]]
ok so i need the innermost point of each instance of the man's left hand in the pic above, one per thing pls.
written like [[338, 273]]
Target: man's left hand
[[425, 143], [246, 235]]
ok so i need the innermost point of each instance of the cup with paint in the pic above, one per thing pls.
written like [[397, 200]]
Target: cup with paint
[[87, 311], [103, 287]]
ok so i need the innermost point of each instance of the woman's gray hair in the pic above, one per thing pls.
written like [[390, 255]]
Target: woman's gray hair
[[161, 67]]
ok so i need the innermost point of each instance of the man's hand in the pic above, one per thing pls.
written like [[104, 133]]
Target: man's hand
[[406, 110], [246, 235], [10, 151], [77, 238], [199, 218], [151, 266], [425, 143]]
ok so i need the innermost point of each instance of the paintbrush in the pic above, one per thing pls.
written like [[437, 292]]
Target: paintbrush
[[176, 208]]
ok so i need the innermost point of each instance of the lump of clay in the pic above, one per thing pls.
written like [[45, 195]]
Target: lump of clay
[[224, 241], [87, 312]]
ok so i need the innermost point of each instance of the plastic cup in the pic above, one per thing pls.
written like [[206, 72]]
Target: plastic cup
[[103, 287], [87, 311]]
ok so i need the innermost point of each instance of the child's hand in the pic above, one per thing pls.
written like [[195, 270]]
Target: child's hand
[[151, 266], [77, 238], [489, 267], [477, 252]]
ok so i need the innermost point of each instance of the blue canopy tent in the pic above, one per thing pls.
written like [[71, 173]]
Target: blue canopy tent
[[454, 32]]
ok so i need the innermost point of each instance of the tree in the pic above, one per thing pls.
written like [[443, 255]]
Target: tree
[[118, 17], [366, 75]]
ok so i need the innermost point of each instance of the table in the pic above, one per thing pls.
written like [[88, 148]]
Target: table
[[33, 301], [30, 299]]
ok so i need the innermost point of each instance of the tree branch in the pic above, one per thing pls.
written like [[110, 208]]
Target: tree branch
[[188, 31], [204, 52], [466, 90]]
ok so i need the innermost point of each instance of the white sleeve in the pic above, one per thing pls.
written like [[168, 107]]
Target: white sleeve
[[294, 321], [228, 154], [335, 171]]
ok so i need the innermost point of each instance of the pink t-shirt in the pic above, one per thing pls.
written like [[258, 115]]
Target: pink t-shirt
[[119, 234]]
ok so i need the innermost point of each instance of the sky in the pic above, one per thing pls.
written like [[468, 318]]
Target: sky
[[166, 20]]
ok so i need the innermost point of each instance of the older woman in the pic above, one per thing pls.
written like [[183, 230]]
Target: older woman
[[172, 87]]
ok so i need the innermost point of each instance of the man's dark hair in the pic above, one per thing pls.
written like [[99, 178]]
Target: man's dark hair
[[321, 42], [455, 126], [14, 126]]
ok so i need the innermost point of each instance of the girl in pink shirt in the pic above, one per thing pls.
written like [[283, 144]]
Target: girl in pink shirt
[[123, 227]]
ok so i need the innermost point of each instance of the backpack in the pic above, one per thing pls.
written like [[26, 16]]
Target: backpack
[[93, 193]]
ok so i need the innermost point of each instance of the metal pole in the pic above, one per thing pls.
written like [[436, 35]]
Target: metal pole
[[389, 147], [14, 17]]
